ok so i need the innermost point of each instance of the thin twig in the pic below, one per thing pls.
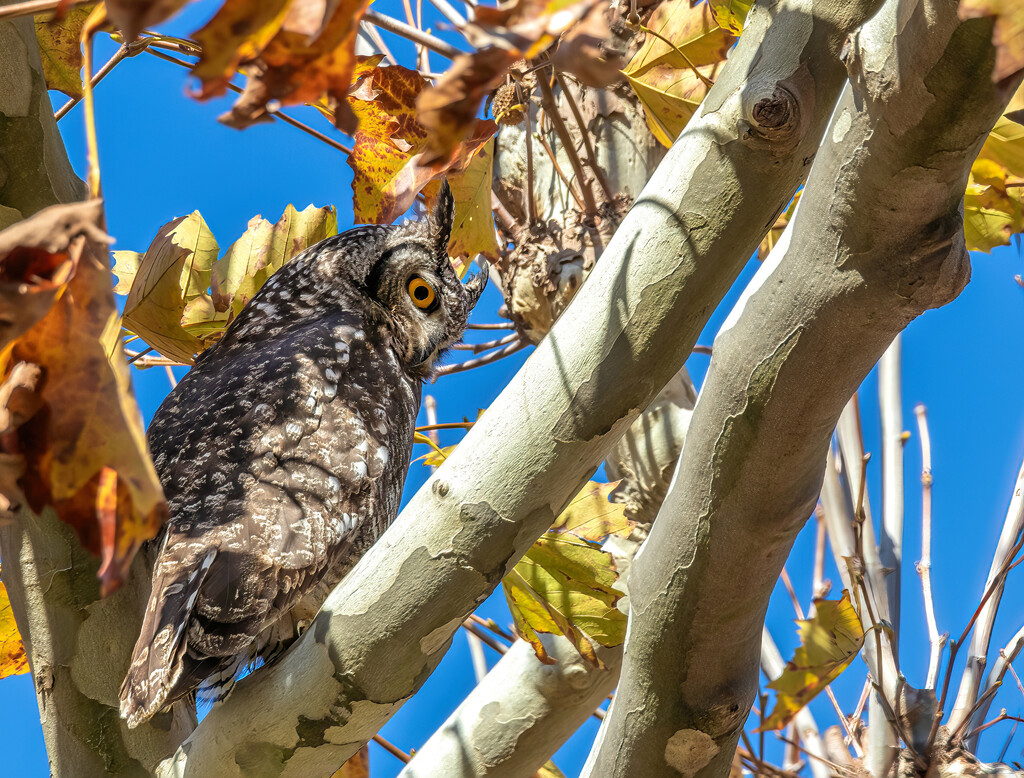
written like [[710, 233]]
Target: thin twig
[[486, 359], [501, 325], [493, 627], [924, 567], [560, 172], [531, 207], [818, 577], [548, 100], [171, 378], [587, 143], [278, 114], [449, 13], [31, 8], [411, 33], [476, 348], [784, 575], [448, 425], [982, 700], [394, 750], [1001, 717], [470, 626], [126, 50], [1009, 667]]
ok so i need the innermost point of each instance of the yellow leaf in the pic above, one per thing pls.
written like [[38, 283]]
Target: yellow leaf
[[828, 643], [12, 653], [61, 50], [670, 74], [549, 771], [174, 272], [730, 14], [473, 228], [263, 249], [238, 32], [592, 516]]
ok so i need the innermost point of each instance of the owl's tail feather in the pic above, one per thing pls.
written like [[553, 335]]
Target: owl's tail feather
[[159, 656]]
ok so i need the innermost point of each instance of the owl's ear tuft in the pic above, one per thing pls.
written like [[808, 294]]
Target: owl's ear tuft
[[440, 220]]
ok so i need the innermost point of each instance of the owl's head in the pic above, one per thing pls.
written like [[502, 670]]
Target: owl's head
[[412, 279]]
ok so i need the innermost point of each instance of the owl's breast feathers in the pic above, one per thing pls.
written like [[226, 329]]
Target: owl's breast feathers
[[281, 465]]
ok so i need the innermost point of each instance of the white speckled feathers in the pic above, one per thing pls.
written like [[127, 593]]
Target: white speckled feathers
[[284, 451]]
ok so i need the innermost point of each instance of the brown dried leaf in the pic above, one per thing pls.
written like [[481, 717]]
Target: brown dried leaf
[[301, 64], [582, 51], [356, 767], [85, 449], [133, 16]]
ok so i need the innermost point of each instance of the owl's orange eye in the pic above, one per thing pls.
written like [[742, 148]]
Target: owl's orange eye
[[421, 292]]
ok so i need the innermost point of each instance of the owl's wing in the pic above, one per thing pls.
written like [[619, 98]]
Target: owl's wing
[[264, 463]]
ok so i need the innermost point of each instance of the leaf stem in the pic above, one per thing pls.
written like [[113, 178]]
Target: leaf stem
[[411, 33]]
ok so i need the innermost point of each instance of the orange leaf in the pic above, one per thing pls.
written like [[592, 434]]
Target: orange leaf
[[12, 651], [302, 63], [389, 158], [85, 443], [356, 767]]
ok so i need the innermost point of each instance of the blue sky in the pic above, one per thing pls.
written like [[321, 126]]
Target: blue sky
[[164, 155]]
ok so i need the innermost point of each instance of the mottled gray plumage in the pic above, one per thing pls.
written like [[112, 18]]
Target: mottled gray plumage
[[284, 450]]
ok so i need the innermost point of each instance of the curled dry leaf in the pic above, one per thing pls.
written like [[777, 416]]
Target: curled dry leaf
[[390, 161], [12, 652], [84, 449], [60, 48], [304, 60], [672, 71], [502, 36], [1007, 34], [169, 304], [828, 643], [585, 51]]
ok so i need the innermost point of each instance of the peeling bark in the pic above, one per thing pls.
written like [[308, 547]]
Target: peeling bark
[[386, 626], [877, 239]]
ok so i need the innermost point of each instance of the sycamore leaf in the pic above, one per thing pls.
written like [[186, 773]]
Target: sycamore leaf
[[389, 159], [304, 61], [61, 49], [992, 211], [12, 652], [591, 516], [85, 451], [473, 229], [437, 456], [730, 14], [169, 289], [1007, 34], [662, 73], [358, 766], [828, 643], [262, 251]]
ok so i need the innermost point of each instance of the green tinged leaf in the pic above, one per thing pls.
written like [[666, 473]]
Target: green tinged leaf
[[828, 643], [172, 276], [262, 251], [564, 584], [61, 50], [730, 14]]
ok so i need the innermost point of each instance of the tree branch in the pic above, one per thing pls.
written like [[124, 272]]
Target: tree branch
[[386, 626], [876, 240]]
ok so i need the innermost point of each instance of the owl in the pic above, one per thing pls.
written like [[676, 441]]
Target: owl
[[284, 450]]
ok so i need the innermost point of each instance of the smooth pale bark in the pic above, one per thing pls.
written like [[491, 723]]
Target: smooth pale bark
[[513, 722], [77, 646], [977, 658], [629, 329], [877, 239]]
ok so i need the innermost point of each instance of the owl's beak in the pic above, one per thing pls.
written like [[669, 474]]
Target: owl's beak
[[476, 284]]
